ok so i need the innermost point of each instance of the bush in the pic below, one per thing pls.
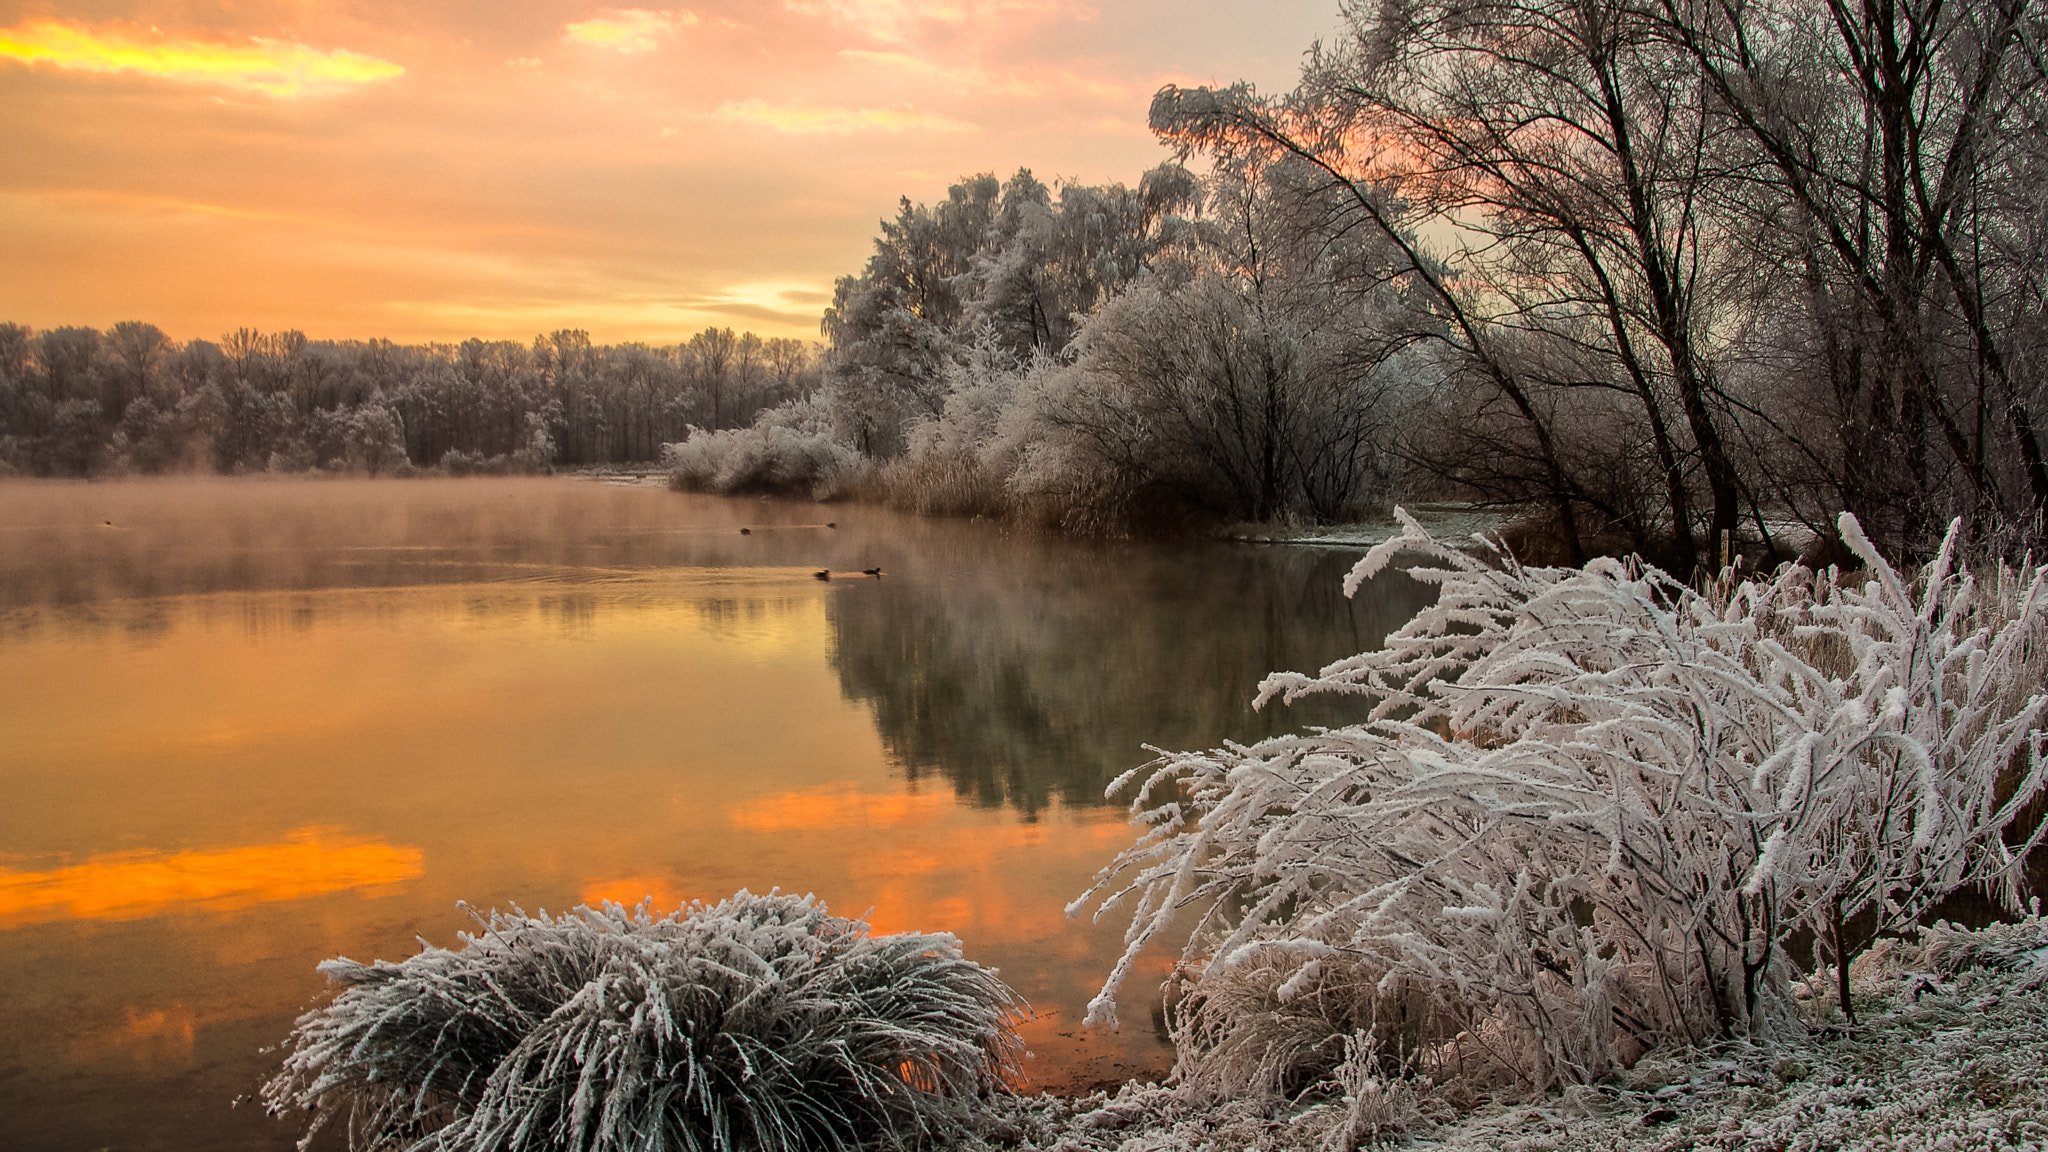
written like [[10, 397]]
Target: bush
[[759, 1023], [1591, 809], [1266, 1032], [789, 451]]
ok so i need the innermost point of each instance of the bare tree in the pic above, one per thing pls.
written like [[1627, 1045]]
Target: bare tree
[[1897, 168]]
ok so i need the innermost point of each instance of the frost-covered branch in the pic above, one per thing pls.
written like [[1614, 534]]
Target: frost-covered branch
[[1590, 806]]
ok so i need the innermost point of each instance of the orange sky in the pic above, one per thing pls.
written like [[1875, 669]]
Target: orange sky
[[497, 168]]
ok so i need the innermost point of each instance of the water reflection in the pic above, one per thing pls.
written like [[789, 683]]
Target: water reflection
[[834, 806], [125, 885], [264, 534], [1044, 674], [270, 723]]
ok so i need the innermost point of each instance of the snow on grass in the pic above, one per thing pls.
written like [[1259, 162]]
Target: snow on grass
[[1952, 1056], [760, 1023], [1591, 813]]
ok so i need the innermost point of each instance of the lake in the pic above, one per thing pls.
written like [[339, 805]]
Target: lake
[[250, 724]]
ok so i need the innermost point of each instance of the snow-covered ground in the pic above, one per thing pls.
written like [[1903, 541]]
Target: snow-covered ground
[[1951, 1055], [1453, 522]]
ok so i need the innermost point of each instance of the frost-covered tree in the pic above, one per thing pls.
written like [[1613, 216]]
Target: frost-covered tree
[[1052, 260], [1260, 381], [1892, 169], [374, 439], [1012, 264], [540, 451], [1590, 808], [892, 328]]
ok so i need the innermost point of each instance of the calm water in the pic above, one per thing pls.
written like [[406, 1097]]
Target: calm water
[[248, 725]]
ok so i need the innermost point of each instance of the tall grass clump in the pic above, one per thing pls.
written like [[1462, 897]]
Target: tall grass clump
[[759, 1023], [1588, 812], [944, 484]]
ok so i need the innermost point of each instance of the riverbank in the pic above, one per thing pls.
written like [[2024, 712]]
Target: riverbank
[[1446, 520], [1952, 1053]]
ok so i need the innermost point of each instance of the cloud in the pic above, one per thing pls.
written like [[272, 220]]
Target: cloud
[[800, 120], [894, 20], [628, 30], [774, 293], [256, 64], [1030, 84], [774, 304], [974, 80], [526, 62], [1120, 126]]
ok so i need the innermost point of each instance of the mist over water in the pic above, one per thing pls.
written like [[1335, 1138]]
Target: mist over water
[[254, 724]]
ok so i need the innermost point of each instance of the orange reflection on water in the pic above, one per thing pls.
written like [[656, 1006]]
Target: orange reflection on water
[[128, 885], [631, 890], [837, 806], [156, 1040]]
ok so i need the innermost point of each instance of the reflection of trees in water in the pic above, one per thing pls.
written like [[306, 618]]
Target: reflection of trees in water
[[1042, 672], [735, 617], [569, 612]]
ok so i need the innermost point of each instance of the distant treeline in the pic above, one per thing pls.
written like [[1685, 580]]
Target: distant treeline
[[76, 401]]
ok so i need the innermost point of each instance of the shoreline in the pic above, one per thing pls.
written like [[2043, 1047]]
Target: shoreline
[[1953, 1058]]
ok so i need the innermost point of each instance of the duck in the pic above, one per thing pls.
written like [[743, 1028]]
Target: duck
[[831, 523], [746, 531], [875, 572], [823, 573]]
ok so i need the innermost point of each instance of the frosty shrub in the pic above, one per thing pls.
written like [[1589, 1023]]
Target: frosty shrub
[[788, 451], [1266, 1033], [1588, 809], [759, 1023], [957, 462], [2020, 946], [1376, 1104], [527, 461]]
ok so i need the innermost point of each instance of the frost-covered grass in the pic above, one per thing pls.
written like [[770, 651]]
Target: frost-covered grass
[[1952, 1055], [760, 1023]]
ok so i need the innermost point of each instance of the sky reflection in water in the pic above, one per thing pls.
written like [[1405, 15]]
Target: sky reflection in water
[[124, 885], [251, 726]]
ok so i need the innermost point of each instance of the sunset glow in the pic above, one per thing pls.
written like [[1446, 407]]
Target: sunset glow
[[835, 121], [439, 171], [272, 67], [629, 30], [125, 885]]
